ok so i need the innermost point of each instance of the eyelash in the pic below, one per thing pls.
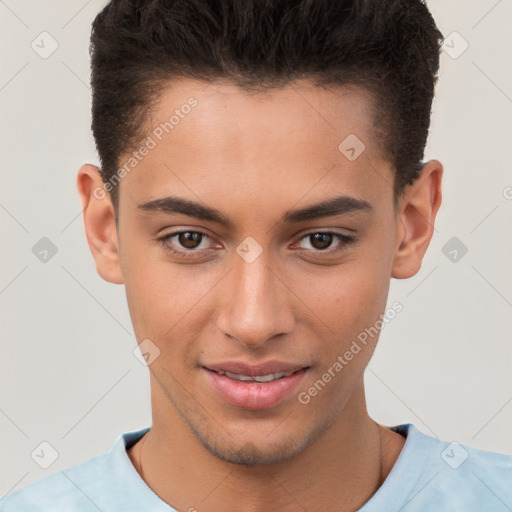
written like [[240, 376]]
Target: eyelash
[[191, 253]]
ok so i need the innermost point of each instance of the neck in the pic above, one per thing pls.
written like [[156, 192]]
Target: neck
[[340, 471]]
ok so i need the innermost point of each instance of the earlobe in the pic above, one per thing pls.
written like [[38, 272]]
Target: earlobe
[[415, 225], [100, 225]]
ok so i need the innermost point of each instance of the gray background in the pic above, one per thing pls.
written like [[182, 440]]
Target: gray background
[[68, 374]]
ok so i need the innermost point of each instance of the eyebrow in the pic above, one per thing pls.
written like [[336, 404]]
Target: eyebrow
[[335, 206]]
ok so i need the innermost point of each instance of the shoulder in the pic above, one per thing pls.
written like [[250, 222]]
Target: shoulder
[[107, 481], [452, 474], [462, 476], [483, 478], [67, 489], [92, 485]]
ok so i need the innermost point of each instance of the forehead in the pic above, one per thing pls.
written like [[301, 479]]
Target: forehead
[[296, 111], [216, 139]]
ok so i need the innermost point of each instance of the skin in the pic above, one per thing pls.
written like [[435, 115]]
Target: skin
[[253, 157]]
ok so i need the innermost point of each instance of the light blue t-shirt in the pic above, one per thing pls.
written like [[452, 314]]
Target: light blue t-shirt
[[429, 476]]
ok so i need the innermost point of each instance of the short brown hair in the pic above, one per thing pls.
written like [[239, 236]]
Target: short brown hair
[[389, 47]]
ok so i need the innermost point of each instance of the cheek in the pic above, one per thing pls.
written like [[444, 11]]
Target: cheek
[[349, 300], [350, 303], [162, 297], [349, 297]]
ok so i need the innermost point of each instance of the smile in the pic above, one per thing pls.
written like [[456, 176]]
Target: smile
[[263, 391], [258, 378]]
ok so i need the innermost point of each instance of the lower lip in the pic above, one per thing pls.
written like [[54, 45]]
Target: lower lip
[[254, 395]]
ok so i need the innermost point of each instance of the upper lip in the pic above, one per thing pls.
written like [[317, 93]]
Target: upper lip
[[254, 370]]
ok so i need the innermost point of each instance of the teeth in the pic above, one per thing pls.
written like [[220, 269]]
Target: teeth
[[258, 378], [237, 377], [268, 378]]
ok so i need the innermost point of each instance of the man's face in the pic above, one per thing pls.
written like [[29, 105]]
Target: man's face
[[265, 286]]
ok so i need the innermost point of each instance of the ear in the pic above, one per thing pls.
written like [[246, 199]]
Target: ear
[[100, 223], [416, 213]]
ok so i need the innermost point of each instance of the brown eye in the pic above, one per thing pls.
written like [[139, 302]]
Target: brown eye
[[321, 240], [186, 244], [190, 239]]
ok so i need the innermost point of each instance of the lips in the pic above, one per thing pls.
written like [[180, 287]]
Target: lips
[[255, 370], [254, 386], [255, 378]]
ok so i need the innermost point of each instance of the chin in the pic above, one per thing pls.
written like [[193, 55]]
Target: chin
[[250, 454], [254, 448]]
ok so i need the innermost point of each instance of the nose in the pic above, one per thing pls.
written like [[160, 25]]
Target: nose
[[255, 304]]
